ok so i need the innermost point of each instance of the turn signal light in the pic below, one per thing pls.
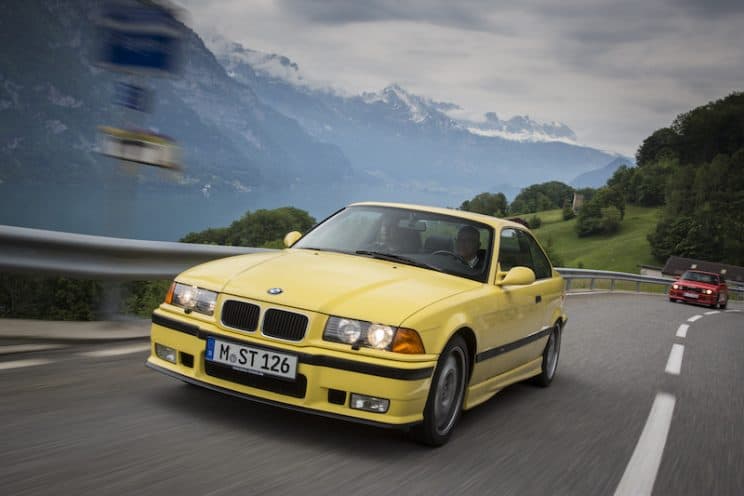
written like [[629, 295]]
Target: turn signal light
[[407, 341], [169, 294]]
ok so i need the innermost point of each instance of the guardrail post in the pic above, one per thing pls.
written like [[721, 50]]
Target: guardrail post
[[568, 284], [591, 284], [612, 285], [638, 287]]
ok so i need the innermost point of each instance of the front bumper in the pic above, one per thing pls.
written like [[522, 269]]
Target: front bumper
[[324, 382], [702, 298]]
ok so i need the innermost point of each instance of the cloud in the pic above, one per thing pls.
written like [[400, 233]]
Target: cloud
[[464, 14], [613, 71]]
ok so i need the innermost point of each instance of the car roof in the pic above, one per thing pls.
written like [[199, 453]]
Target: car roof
[[495, 222]]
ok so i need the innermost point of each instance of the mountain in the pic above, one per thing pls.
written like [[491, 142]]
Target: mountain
[[411, 141], [58, 94], [253, 134], [53, 97], [598, 177]]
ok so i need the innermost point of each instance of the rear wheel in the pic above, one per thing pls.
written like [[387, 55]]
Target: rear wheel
[[444, 404], [550, 358]]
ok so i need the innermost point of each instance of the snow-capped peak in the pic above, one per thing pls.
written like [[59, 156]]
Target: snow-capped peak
[[271, 65], [399, 99], [521, 128]]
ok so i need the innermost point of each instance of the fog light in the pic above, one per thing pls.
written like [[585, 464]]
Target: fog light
[[369, 403], [165, 353]]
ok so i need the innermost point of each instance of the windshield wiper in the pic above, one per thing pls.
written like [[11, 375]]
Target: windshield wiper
[[320, 249], [392, 257]]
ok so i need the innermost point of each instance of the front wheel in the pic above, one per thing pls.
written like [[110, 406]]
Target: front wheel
[[550, 358], [722, 303], [444, 404]]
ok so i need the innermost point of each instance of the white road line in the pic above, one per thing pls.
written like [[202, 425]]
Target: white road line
[[23, 348], [674, 364], [712, 312], [121, 350], [682, 331], [16, 364], [640, 474], [694, 318], [733, 311]]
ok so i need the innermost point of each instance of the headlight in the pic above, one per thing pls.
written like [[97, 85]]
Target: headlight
[[349, 331], [708, 291], [191, 298], [675, 286], [380, 336], [377, 336]]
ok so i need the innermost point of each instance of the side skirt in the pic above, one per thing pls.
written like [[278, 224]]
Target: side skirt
[[481, 392]]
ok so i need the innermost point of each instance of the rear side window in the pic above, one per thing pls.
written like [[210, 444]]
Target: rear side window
[[540, 262], [517, 248]]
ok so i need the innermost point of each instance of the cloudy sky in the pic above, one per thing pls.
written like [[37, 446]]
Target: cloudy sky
[[614, 71]]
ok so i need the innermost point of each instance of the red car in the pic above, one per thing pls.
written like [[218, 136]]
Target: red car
[[705, 288]]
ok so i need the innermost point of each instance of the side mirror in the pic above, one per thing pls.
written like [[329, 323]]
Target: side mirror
[[517, 276], [291, 238]]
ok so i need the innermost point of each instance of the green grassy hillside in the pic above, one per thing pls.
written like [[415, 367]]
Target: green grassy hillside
[[622, 251]]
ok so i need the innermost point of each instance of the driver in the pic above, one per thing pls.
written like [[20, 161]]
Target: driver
[[467, 244]]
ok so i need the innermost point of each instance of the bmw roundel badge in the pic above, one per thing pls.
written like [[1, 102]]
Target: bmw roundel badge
[[275, 291]]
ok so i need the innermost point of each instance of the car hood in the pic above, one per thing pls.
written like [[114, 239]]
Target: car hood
[[331, 283], [697, 284]]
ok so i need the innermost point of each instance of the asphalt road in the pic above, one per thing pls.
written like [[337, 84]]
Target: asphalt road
[[74, 421]]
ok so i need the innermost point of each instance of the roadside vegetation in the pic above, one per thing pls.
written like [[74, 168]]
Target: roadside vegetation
[[685, 197]]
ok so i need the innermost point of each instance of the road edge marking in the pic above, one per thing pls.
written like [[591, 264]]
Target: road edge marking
[[694, 318], [640, 474], [17, 364], [121, 350]]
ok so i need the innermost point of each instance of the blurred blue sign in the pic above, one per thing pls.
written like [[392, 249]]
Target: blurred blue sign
[[132, 97], [139, 37]]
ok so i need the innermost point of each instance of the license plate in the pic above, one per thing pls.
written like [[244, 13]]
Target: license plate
[[249, 359], [690, 295]]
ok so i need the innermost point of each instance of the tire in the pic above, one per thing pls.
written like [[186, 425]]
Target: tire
[[444, 404], [672, 300], [722, 305], [550, 356]]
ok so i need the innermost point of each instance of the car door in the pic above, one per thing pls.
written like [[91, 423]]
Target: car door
[[548, 289], [518, 310]]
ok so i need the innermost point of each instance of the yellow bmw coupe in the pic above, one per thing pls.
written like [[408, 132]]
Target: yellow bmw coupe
[[387, 314]]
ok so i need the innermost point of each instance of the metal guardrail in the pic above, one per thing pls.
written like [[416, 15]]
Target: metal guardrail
[[38, 251], [571, 275]]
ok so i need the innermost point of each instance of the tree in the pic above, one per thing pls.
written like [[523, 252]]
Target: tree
[[602, 214], [568, 212], [494, 204], [257, 229], [611, 196], [704, 212], [610, 220], [539, 197], [534, 222], [661, 144]]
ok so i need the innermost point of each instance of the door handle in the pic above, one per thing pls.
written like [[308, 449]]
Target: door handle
[[538, 299]]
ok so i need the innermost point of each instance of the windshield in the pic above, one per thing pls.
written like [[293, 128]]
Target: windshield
[[700, 277], [432, 241]]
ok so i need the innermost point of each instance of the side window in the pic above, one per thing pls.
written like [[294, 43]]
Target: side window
[[540, 264], [513, 251]]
